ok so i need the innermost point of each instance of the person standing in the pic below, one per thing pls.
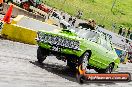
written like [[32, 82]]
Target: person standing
[[93, 24], [90, 24], [113, 26], [123, 32], [79, 14], [130, 36], [128, 32], [73, 22], [70, 20], [120, 31]]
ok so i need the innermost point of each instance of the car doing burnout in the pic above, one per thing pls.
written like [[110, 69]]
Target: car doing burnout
[[87, 48]]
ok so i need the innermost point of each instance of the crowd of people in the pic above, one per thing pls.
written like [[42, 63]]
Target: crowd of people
[[72, 20], [125, 32]]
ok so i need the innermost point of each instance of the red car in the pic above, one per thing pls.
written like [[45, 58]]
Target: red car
[[44, 8]]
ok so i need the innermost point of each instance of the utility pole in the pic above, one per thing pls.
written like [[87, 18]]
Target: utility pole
[[114, 2]]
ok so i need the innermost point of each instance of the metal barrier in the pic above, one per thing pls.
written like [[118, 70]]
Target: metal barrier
[[17, 33]]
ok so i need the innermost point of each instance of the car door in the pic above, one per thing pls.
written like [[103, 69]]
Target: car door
[[107, 50], [103, 52], [97, 50]]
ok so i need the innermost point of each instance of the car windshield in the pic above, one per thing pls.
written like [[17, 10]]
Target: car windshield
[[88, 34], [93, 36]]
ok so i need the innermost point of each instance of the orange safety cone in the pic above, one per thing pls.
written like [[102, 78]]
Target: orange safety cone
[[8, 14]]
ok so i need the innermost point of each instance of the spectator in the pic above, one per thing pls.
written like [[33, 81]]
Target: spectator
[[90, 22], [79, 15], [130, 35], [123, 32], [93, 24], [120, 31], [73, 22], [128, 32], [63, 15], [114, 26], [70, 20]]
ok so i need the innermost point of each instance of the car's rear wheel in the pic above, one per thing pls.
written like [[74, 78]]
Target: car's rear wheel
[[41, 54], [109, 69]]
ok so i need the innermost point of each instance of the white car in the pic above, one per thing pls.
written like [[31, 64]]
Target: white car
[[18, 2], [58, 20]]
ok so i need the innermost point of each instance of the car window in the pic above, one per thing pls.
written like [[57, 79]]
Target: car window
[[88, 34], [106, 43], [54, 14]]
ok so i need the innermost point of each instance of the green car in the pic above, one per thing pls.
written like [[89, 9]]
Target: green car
[[84, 47]]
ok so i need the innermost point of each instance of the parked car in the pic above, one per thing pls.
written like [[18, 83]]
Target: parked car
[[26, 4], [88, 48], [58, 20]]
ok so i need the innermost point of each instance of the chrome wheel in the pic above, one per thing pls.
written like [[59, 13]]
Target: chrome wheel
[[109, 69], [85, 61]]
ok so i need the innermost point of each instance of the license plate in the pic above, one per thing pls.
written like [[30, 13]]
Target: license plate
[[55, 48]]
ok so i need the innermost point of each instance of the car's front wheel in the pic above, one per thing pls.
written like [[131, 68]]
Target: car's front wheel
[[109, 69], [71, 65], [84, 60], [41, 54]]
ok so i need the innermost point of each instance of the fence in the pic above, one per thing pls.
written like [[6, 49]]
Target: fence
[[18, 11]]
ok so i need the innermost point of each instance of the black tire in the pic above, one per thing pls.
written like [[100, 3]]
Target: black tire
[[41, 54], [84, 60], [63, 26], [80, 78], [109, 69], [71, 65]]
